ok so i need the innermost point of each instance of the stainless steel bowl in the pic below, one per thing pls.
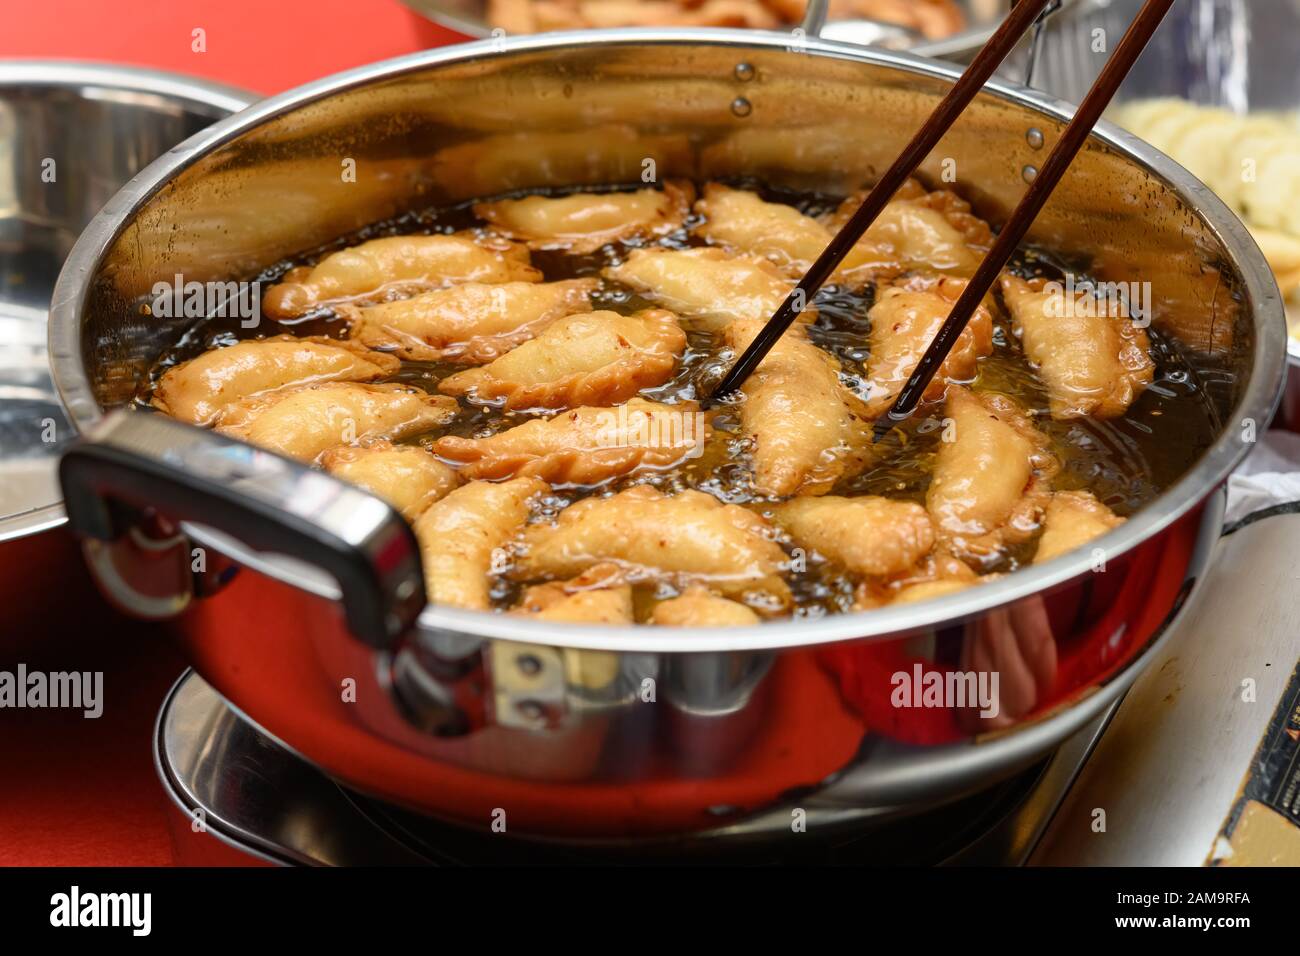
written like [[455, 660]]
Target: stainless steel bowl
[[982, 18], [315, 623], [70, 135]]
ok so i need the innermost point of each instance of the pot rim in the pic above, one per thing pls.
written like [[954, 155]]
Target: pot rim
[[37, 72], [1260, 397]]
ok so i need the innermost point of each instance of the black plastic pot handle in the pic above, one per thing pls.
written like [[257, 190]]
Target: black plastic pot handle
[[142, 459]]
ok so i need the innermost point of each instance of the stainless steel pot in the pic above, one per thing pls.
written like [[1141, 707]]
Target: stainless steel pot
[[70, 135], [316, 625]]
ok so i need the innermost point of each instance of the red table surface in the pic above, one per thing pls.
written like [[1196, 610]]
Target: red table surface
[[83, 792]]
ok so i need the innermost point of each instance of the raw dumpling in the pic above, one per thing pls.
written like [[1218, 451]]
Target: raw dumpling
[[706, 285], [1093, 363], [304, 421], [586, 445], [471, 323], [593, 358], [868, 536], [406, 476], [988, 488], [460, 535], [904, 321], [409, 262], [806, 429], [690, 537], [583, 222], [197, 390]]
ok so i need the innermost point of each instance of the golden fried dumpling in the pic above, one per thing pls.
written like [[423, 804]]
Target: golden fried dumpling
[[1073, 518], [937, 574], [584, 446], [740, 220], [700, 607], [869, 535], [592, 358], [304, 421], [918, 231], [806, 429], [197, 390], [1093, 363], [988, 488], [460, 534], [597, 596], [583, 222], [689, 537], [904, 321], [707, 285], [470, 323], [406, 476], [409, 262]]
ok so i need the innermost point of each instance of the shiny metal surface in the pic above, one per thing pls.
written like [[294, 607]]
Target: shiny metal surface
[[747, 716], [1168, 769], [70, 135], [234, 785], [236, 790]]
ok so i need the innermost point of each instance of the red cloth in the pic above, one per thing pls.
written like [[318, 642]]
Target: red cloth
[[83, 792], [262, 47]]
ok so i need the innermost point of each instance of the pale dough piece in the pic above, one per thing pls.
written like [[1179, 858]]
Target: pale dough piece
[[196, 391], [471, 323], [406, 476], [707, 285], [989, 486], [1093, 363], [585, 446], [304, 421], [699, 607], [459, 535], [690, 537], [592, 358], [904, 321], [1073, 519], [408, 262], [868, 536], [583, 222], [806, 429]]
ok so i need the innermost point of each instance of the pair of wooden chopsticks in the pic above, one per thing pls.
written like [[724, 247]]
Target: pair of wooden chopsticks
[[1023, 15]]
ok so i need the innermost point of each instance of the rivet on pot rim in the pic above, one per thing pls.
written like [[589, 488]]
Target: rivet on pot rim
[[528, 665], [1029, 173], [741, 107], [530, 709], [745, 72], [1034, 137]]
